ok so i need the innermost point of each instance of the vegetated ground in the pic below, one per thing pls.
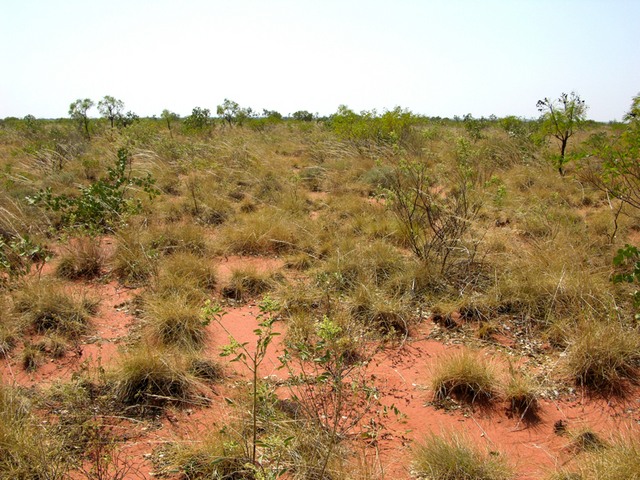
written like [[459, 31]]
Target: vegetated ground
[[497, 321]]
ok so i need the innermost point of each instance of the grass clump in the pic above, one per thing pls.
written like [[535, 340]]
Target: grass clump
[[82, 258], [149, 377], [45, 306], [187, 238], [217, 456], [388, 316], [465, 375], [205, 369], [27, 451], [32, 356], [133, 261], [522, 392], [248, 281], [175, 321], [184, 273], [450, 456], [603, 356], [8, 338], [619, 460]]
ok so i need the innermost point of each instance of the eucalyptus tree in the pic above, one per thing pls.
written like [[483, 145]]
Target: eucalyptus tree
[[561, 118], [111, 108], [78, 112]]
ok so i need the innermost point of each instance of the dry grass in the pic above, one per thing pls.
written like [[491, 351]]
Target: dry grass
[[603, 356], [27, 450], [466, 374], [184, 274], [522, 392], [81, 258], [451, 456], [174, 321], [46, 306], [148, 378], [247, 282], [133, 261]]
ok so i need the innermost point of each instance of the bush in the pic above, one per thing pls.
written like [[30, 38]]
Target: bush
[[104, 201], [450, 456]]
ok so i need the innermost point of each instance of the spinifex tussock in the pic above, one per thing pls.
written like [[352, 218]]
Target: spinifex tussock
[[46, 306], [152, 377], [466, 375], [603, 356], [81, 258], [451, 456], [174, 320]]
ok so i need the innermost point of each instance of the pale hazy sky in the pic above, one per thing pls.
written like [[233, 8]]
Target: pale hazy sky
[[438, 58]]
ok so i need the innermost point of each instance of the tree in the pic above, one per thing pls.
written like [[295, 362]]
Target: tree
[[302, 116], [271, 114], [110, 108], [170, 117], [199, 118], [78, 112], [231, 112], [128, 119], [561, 118], [228, 111]]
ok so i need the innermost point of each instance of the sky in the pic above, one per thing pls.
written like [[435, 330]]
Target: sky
[[436, 58]]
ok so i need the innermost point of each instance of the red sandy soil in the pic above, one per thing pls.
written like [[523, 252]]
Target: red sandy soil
[[400, 371]]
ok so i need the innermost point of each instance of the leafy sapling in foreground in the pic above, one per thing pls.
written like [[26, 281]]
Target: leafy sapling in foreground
[[241, 351], [327, 379]]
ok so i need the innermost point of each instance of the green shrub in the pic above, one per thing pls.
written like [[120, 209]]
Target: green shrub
[[104, 201]]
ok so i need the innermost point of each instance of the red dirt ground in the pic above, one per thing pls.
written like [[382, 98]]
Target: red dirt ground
[[401, 372]]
